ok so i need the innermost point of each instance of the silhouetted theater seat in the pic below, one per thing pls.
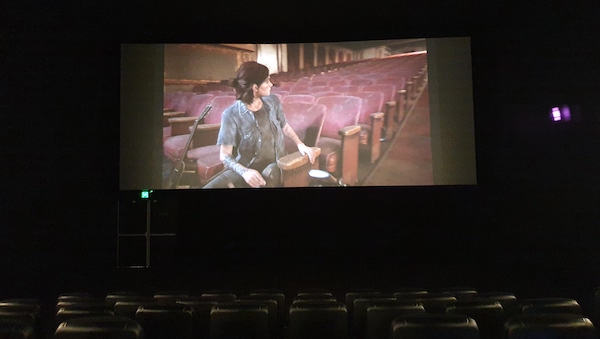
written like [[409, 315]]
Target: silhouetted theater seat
[[549, 326], [318, 319], [339, 137], [381, 314], [359, 316], [16, 329], [83, 303], [438, 326], [170, 296], [350, 296], [113, 297], [80, 311], [201, 316], [409, 292], [509, 302], [434, 302], [314, 295], [487, 313], [75, 296], [240, 319], [19, 319], [99, 328], [460, 293], [218, 296], [275, 326], [165, 321], [127, 308], [27, 310], [550, 305]]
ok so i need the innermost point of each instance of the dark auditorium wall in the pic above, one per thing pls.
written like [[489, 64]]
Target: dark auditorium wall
[[202, 62], [529, 226]]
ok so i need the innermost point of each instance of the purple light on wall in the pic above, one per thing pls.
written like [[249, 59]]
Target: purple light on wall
[[565, 113], [555, 114]]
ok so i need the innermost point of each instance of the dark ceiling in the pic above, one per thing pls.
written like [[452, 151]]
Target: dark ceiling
[[359, 45]]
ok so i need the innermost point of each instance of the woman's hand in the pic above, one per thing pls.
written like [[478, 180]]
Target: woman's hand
[[305, 150], [253, 178]]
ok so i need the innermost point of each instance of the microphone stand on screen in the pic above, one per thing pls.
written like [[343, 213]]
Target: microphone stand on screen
[[179, 165]]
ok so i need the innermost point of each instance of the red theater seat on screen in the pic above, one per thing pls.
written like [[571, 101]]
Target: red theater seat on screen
[[206, 136], [390, 108], [361, 82], [304, 98], [206, 133], [339, 137], [317, 89], [306, 120], [371, 121], [176, 123], [327, 94], [347, 89]]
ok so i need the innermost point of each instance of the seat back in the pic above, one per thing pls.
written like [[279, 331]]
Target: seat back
[[439, 326], [381, 314], [197, 104], [550, 305], [549, 326], [318, 319], [99, 327], [342, 111], [219, 105], [181, 102], [487, 313], [165, 321], [239, 320], [317, 89], [304, 98], [361, 82], [346, 89], [306, 120], [372, 102], [389, 91]]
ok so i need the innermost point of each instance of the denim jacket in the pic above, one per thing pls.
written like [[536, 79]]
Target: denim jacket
[[239, 129]]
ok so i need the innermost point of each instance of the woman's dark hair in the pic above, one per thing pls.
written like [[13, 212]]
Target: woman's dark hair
[[248, 74]]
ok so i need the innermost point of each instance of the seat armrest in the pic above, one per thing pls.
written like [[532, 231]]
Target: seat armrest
[[295, 166], [377, 120], [295, 160], [180, 125], [349, 130], [390, 118], [349, 154], [170, 114]]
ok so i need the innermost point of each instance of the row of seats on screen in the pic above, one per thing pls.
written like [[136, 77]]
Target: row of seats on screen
[[368, 69], [405, 313]]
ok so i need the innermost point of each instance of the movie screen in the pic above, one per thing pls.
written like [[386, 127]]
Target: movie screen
[[327, 114]]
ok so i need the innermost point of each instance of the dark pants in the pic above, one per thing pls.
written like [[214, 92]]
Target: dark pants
[[230, 179]]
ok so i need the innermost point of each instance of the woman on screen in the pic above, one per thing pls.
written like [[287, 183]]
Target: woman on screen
[[254, 127]]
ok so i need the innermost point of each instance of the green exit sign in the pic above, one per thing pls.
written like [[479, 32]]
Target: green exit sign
[[145, 194]]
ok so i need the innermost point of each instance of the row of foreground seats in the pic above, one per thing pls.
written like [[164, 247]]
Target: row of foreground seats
[[407, 313]]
